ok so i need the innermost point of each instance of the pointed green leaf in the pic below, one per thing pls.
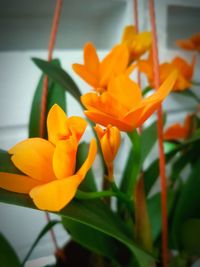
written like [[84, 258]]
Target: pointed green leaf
[[8, 257], [56, 95], [190, 237], [44, 231], [94, 214], [6, 164], [154, 209], [188, 203], [148, 140], [91, 239], [133, 165], [59, 76], [189, 93], [89, 182]]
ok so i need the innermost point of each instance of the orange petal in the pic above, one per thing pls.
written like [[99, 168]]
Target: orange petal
[[55, 195], [175, 132], [138, 115], [64, 158], [114, 64], [184, 68], [91, 59], [133, 117], [125, 91], [105, 103], [110, 143], [77, 125], [105, 119], [17, 183], [34, 158], [166, 69], [86, 75], [164, 89], [57, 124], [89, 160], [181, 84], [186, 44], [100, 131], [129, 32], [140, 44], [147, 69]]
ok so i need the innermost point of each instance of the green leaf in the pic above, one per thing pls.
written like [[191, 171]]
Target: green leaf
[[97, 215], [94, 214], [178, 166], [89, 182], [190, 237], [92, 239], [8, 256], [148, 140], [133, 165], [59, 76], [146, 90], [56, 95], [6, 164], [189, 93], [154, 210], [188, 203], [45, 230]]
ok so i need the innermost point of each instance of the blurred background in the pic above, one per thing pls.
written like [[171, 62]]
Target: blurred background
[[25, 28]]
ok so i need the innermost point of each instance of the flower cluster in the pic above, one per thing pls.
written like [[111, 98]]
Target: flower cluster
[[115, 104]]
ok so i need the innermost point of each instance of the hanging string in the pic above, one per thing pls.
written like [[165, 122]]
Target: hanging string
[[136, 23], [52, 40], [160, 139]]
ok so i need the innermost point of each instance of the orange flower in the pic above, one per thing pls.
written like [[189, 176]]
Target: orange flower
[[178, 131], [49, 166], [137, 44], [192, 44], [122, 104], [98, 74], [110, 142], [184, 71]]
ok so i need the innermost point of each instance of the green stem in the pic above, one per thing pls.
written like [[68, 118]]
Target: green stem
[[101, 194], [135, 141]]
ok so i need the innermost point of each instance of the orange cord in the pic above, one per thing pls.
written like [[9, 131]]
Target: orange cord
[[160, 139], [136, 23], [52, 40]]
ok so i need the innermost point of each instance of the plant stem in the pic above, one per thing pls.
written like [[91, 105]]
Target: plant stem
[[135, 141], [101, 194]]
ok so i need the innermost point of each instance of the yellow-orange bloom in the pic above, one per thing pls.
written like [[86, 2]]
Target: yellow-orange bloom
[[137, 43], [122, 104], [98, 74], [49, 166], [192, 44], [110, 142], [184, 71], [178, 131]]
